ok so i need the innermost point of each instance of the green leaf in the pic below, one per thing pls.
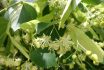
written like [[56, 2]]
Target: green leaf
[[65, 14], [94, 2], [42, 26], [70, 6], [45, 22], [46, 18], [40, 5], [39, 24], [43, 59], [27, 13], [3, 27], [23, 12], [95, 36], [50, 59], [100, 32], [85, 43]]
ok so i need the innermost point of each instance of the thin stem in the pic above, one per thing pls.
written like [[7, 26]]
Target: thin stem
[[51, 30], [56, 30]]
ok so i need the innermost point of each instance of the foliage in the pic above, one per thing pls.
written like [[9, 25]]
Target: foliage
[[51, 34]]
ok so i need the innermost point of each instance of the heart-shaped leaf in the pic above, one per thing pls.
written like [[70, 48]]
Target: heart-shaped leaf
[[43, 58], [22, 13]]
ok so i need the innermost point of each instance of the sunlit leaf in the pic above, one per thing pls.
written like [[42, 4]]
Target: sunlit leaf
[[40, 5], [85, 42], [70, 6]]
